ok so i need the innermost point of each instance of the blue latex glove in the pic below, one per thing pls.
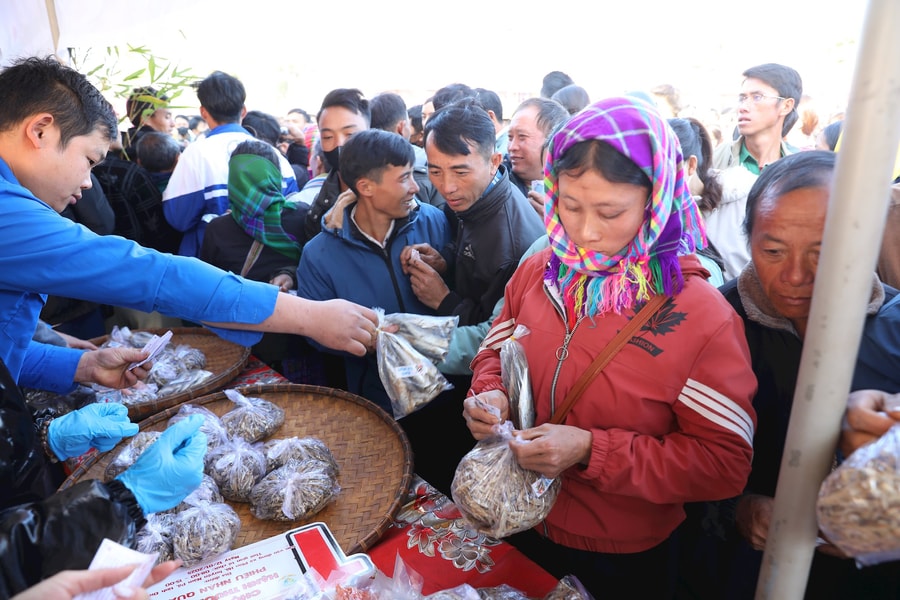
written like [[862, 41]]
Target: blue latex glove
[[99, 426], [170, 468]]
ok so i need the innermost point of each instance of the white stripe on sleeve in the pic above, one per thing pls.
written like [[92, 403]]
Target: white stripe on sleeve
[[718, 408]]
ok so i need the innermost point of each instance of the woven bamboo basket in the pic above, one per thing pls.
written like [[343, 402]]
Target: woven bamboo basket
[[372, 451], [224, 360]]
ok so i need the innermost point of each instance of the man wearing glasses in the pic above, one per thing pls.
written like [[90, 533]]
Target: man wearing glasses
[[766, 109]]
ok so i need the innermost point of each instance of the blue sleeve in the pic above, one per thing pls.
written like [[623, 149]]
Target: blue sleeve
[[184, 212], [60, 378], [40, 250], [878, 361]]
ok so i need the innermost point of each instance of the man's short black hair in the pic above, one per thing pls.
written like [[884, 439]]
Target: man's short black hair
[[450, 94], [553, 82], [350, 98], [262, 126], [223, 97], [368, 153], [388, 109], [489, 100], [453, 128], [808, 169], [157, 152]]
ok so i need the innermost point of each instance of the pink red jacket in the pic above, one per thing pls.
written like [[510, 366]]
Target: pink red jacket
[[671, 416]]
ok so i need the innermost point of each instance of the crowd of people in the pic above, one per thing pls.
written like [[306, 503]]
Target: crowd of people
[[570, 217]]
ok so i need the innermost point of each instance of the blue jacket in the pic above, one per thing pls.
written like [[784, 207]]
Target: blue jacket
[[343, 263], [43, 253]]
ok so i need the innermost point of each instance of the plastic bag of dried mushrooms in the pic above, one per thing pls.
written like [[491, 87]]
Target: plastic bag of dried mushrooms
[[859, 502], [497, 496]]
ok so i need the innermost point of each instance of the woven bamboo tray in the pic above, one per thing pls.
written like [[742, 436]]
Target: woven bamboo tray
[[224, 360], [372, 451]]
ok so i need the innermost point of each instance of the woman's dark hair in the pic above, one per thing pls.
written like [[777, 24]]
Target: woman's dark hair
[[695, 141], [600, 156], [808, 169]]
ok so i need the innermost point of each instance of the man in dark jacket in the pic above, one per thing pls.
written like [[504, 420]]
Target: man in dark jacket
[[343, 113], [494, 227], [495, 223]]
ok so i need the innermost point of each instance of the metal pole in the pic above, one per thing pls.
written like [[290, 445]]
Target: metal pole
[[853, 232]]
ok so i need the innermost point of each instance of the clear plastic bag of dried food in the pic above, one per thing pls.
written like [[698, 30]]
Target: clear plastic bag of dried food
[[205, 493], [236, 466], [253, 418], [429, 335], [212, 425], [496, 496], [298, 490], [410, 379], [516, 379], [279, 451], [156, 536], [130, 452], [204, 531], [569, 588], [859, 502]]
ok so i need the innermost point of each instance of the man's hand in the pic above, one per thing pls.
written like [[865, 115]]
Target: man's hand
[[551, 449], [74, 342], [536, 200], [342, 325], [427, 284], [870, 413], [752, 516], [284, 282], [334, 218], [480, 420], [426, 254], [109, 367]]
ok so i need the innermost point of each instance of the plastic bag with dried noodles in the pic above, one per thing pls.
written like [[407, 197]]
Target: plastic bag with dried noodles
[[495, 494], [859, 502], [410, 379], [516, 379]]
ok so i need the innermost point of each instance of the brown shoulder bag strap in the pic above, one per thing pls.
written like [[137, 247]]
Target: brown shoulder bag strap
[[603, 359]]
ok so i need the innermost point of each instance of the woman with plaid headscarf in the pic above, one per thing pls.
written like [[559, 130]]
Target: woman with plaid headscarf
[[669, 419]]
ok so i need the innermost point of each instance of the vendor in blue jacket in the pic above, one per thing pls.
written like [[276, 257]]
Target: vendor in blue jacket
[[54, 127]]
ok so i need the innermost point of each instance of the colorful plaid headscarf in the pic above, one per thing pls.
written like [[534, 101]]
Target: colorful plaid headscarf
[[254, 193], [592, 283]]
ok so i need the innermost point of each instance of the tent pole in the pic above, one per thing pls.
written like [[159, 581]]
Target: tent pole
[[53, 20], [853, 232]]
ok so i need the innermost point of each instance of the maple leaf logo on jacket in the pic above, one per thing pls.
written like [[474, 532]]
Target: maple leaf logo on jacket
[[664, 321]]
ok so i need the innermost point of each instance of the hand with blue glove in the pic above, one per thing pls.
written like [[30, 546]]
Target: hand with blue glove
[[99, 426], [170, 468]]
